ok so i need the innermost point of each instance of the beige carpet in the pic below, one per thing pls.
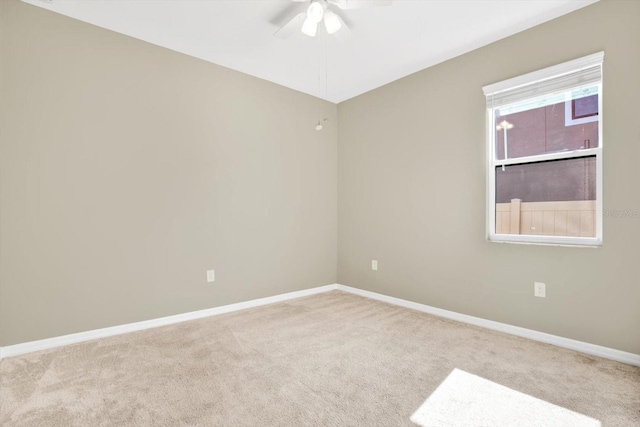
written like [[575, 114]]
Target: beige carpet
[[332, 359], [464, 399]]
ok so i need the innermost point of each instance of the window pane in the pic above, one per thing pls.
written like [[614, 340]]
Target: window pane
[[559, 122], [553, 198]]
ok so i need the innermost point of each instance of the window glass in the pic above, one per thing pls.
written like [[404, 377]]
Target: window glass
[[554, 198], [564, 122]]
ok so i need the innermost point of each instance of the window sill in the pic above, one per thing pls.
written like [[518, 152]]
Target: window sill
[[572, 242]]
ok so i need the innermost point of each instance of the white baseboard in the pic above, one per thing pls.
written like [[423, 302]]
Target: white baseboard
[[28, 347], [583, 347], [596, 350]]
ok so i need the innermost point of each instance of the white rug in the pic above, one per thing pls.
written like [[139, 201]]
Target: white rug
[[464, 399]]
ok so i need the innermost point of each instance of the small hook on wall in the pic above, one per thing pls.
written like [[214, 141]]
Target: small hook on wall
[[319, 125]]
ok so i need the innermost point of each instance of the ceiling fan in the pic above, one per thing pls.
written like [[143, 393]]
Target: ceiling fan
[[320, 10]]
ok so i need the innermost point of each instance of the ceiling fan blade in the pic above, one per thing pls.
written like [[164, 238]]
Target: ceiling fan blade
[[359, 4], [290, 27]]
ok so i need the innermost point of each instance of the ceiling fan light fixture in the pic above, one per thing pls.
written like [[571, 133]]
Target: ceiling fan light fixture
[[309, 27], [315, 11], [332, 22]]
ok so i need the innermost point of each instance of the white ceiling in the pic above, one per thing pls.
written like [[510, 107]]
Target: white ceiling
[[385, 43]]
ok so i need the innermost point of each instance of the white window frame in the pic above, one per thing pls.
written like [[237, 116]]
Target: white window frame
[[531, 79]]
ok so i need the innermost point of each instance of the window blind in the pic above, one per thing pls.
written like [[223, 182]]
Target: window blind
[[573, 74]]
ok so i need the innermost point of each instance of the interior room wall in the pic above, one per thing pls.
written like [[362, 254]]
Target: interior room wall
[[412, 189], [128, 170]]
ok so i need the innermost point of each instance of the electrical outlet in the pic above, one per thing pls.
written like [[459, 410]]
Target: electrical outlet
[[374, 265], [539, 289], [211, 276]]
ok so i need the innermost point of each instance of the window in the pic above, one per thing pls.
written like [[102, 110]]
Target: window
[[545, 155]]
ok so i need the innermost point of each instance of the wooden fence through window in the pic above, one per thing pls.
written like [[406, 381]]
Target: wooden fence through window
[[574, 218]]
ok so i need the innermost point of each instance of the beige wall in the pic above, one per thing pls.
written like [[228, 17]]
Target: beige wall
[[128, 170], [415, 145]]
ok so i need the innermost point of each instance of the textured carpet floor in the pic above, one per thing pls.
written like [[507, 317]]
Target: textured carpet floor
[[332, 359]]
